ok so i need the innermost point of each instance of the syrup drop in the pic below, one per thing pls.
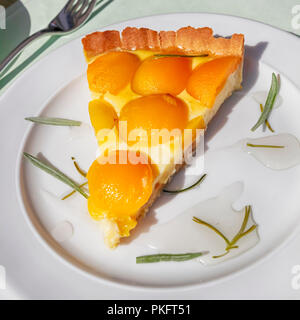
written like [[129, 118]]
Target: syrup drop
[[275, 158]]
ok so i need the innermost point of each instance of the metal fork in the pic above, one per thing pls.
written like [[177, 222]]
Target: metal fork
[[71, 17]]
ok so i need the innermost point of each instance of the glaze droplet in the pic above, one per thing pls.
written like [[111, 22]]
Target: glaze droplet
[[275, 158]]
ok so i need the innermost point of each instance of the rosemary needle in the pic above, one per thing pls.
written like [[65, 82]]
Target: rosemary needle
[[188, 188], [168, 257], [54, 121], [243, 226], [264, 146], [72, 192], [79, 170], [269, 102], [55, 173], [266, 122], [195, 219], [180, 55]]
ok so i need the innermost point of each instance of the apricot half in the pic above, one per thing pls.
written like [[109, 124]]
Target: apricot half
[[208, 79], [162, 111], [118, 189], [102, 115], [162, 75], [112, 71]]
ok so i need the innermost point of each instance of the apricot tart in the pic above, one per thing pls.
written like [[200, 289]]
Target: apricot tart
[[143, 81]]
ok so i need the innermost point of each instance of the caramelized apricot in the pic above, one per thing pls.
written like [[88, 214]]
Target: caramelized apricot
[[162, 111], [162, 75], [208, 79], [111, 72], [118, 190]]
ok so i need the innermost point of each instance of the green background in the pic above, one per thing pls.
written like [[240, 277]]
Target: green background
[[25, 17]]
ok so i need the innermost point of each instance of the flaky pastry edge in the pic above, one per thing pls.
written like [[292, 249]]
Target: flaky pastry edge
[[186, 40]]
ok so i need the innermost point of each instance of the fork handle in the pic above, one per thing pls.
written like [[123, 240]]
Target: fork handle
[[21, 46]]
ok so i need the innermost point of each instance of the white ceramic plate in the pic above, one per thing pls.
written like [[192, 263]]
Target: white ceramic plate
[[55, 86]]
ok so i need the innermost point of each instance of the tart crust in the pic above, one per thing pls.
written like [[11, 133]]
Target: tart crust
[[187, 40]]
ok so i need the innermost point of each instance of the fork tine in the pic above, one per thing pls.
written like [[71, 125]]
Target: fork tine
[[86, 9], [83, 7], [76, 6], [69, 5]]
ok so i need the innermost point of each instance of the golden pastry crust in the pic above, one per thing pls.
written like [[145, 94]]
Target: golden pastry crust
[[188, 40]]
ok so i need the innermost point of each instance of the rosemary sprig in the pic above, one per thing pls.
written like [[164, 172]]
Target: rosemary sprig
[[55, 173], [180, 55], [269, 102], [168, 257], [188, 188], [54, 121], [264, 146], [266, 122], [241, 233]]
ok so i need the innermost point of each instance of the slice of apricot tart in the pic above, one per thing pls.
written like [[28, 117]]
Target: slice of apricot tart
[[142, 83]]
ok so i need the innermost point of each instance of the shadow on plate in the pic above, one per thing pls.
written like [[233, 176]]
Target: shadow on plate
[[250, 75]]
